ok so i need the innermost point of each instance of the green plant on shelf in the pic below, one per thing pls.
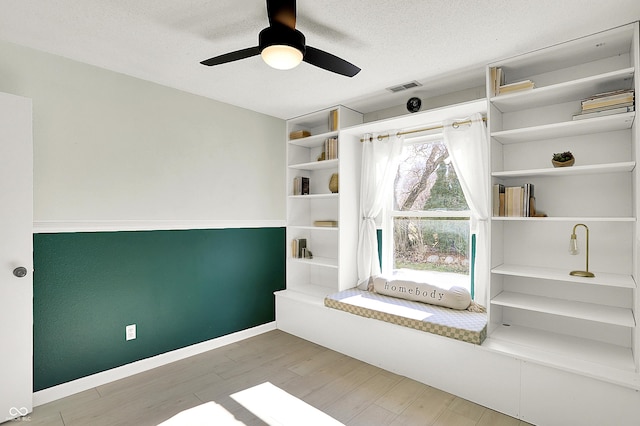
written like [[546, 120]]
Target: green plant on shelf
[[562, 156], [563, 159]]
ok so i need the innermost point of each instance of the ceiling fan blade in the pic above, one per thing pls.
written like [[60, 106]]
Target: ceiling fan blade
[[232, 56], [329, 62], [282, 12]]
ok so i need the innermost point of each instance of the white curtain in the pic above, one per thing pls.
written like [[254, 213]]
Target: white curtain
[[379, 163], [469, 150]]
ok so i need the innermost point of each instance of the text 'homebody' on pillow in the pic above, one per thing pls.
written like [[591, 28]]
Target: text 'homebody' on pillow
[[454, 297]]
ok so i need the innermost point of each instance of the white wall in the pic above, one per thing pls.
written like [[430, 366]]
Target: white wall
[[110, 147], [428, 102]]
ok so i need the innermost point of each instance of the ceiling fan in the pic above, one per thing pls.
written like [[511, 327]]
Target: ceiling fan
[[283, 47]]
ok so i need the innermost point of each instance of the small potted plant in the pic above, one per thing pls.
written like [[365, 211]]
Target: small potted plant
[[563, 159]]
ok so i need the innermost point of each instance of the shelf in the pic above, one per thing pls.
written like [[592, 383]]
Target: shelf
[[318, 261], [592, 169], [612, 363], [313, 140], [315, 165], [314, 228], [567, 308], [565, 129], [563, 219], [566, 91], [314, 196], [330, 268], [307, 293], [601, 278]]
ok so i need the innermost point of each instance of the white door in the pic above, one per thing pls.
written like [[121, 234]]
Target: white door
[[16, 257]]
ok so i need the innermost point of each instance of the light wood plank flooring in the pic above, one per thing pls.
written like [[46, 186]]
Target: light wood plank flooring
[[350, 391]]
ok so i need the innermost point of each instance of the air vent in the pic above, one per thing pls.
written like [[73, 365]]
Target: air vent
[[405, 86]]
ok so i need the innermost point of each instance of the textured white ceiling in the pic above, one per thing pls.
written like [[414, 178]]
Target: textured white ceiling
[[441, 43]]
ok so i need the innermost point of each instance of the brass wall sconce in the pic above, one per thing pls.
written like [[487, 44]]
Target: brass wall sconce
[[573, 249]]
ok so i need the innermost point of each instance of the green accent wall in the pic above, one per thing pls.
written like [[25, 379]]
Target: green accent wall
[[178, 287]]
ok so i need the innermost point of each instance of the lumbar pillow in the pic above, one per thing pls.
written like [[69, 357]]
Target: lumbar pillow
[[454, 297]]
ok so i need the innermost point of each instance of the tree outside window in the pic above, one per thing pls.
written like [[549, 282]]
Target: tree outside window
[[430, 216]]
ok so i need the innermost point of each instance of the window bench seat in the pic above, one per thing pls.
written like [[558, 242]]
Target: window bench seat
[[461, 325]]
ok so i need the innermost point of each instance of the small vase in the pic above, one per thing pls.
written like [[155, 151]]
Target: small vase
[[333, 183]]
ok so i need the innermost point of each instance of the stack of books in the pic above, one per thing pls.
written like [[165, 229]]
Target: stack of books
[[326, 223], [299, 134], [300, 185], [498, 86], [607, 103], [331, 149], [514, 201]]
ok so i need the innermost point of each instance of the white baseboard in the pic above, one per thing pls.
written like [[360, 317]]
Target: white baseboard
[[60, 391]]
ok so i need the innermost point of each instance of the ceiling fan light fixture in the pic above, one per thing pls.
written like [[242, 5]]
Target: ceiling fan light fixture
[[281, 47], [281, 56]]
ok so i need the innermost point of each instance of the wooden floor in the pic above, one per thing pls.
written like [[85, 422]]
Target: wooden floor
[[350, 391]]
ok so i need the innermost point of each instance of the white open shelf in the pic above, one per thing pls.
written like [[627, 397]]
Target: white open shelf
[[315, 228], [592, 169], [308, 293], [601, 278], [567, 308], [313, 140], [314, 196], [565, 91], [565, 129], [318, 261], [315, 165], [570, 353], [565, 219]]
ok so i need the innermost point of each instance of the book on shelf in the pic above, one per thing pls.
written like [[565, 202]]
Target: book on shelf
[[624, 97], [301, 185], [513, 201], [528, 200], [298, 248], [498, 199], [620, 93], [333, 120], [325, 223], [600, 112], [331, 149], [516, 87], [299, 134], [497, 79]]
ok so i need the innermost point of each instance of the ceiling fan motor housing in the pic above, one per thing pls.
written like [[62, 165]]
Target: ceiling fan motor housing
[[281, 35]]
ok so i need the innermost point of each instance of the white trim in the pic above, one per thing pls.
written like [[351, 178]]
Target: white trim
[[60, 391], [431, 213], [61, 226]]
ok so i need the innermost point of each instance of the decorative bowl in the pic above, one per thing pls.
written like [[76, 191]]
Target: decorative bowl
[[567, 163]]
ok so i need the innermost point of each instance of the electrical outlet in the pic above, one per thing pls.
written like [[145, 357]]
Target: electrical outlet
[[131, 332]]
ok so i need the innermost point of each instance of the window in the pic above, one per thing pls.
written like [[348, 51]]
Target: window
[[427, 217]]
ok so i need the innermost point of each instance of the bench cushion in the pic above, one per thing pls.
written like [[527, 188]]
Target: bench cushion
[[456, 324]]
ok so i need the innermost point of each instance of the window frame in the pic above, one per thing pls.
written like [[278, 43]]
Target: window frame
[[389, 214]]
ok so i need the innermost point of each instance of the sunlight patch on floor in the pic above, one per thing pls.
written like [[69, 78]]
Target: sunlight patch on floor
[[271, 404], [206, 414], [276, 407]]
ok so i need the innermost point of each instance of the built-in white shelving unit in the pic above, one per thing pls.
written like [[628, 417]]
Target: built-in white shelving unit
[[330, 269], [561, 349], [537, 310]]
